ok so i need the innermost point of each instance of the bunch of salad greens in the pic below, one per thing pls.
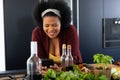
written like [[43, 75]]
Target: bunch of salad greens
[[75, 74], [100, 58]]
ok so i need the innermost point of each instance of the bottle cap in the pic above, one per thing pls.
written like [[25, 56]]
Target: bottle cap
[[63, 45], [33, 47], [68, 46]]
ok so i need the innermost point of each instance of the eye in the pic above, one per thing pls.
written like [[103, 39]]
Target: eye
[[46, 25], [54, 25]]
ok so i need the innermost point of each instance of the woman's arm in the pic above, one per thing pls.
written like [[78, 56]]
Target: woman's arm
[[37, 36], [72, 38]]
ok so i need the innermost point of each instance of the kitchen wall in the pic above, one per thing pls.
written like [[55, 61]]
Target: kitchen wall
[[90, 30], [18, 26]]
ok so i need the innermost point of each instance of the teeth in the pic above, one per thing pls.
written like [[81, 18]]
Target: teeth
[[52, 33]]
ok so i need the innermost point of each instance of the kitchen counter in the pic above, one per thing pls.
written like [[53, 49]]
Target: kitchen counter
[[12, 74]]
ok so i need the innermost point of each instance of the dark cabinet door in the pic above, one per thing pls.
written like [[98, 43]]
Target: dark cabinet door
[[18, 26]]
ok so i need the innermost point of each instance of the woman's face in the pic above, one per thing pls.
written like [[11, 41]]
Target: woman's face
[[51, 26]]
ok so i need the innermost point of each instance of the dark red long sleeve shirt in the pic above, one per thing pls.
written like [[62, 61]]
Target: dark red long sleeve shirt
[[66, 36]]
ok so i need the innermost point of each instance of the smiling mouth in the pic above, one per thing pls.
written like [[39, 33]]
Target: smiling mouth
[[51, 33]]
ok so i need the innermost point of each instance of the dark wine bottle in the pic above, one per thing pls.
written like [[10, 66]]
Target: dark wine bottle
[[34, 64]]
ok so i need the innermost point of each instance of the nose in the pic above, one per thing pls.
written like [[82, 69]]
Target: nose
[[51, 28]]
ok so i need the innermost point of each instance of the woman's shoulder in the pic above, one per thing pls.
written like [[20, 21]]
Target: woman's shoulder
[[71, 28], [37, 33], [36, 29]]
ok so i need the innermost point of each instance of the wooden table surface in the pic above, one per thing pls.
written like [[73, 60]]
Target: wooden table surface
[[110, 65]]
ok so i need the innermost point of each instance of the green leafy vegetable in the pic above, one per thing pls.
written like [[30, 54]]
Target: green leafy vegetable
[[75, 74], [100, 58], [101, 77], [51, 74]]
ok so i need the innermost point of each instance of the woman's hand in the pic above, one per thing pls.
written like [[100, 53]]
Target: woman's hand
[[45, 68]]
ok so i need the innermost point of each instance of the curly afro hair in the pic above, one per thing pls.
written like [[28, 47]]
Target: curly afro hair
[[60, 5]]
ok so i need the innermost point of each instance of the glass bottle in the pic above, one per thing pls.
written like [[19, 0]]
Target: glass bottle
[[63, 56], [69, 59], [34, 64]]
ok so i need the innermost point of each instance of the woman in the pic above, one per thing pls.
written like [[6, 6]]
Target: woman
[[54, 29]]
